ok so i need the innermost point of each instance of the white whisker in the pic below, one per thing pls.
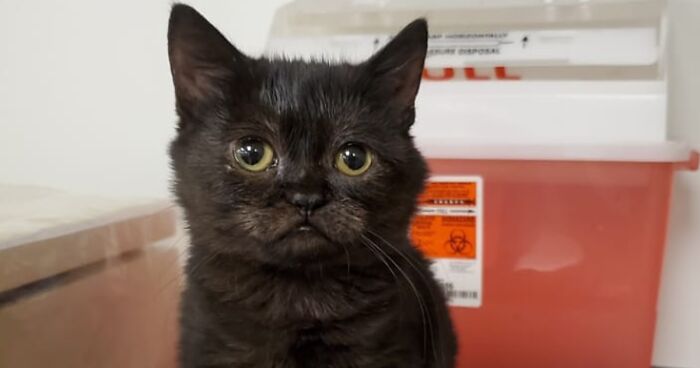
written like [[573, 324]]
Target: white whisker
[[425, 315]]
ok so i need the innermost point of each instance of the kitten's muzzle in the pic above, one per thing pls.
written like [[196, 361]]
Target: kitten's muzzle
[[306, 202]]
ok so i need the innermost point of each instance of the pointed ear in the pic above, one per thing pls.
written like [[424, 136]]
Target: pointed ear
[[395, 70], [202, 61]]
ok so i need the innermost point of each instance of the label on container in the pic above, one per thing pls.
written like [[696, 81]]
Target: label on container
[[448, 230], [632, 46], [624, 46]]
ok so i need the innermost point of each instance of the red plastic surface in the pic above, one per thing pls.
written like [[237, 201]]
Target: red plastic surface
[[572, 260]]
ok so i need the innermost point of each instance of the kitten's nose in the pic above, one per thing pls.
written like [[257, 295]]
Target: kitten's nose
[[306, 201]]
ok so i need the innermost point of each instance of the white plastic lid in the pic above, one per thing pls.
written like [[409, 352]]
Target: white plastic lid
[[669, 152]]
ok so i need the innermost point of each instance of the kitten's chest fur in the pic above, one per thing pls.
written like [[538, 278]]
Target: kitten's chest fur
[[326, 316], [322, 293]]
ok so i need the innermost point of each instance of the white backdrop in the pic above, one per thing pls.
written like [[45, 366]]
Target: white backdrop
[[86, 101], [678, 333], [86, 104]]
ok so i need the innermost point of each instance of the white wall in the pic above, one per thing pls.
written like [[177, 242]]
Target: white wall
[[678, 332], [86, 100], [86, 104]]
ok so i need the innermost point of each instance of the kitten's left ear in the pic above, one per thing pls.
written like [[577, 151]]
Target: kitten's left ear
[[395, 70]]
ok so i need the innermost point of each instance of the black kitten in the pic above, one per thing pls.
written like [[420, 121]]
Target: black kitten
[[298, 182]]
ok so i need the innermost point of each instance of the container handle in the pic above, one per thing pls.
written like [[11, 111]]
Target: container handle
[[691, 164]]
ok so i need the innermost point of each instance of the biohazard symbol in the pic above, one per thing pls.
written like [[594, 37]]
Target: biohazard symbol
[[458, 243]]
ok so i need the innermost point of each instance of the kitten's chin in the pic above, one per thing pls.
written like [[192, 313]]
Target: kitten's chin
[[305, 242]]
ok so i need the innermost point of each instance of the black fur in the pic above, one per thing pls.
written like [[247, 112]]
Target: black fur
[[260, 293]]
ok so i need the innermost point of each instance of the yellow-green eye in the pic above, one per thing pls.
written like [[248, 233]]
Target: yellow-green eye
[[253, 154], [353, 160]]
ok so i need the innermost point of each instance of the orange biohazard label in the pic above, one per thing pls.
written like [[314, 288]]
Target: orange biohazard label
[[448, 230], [445, 236]]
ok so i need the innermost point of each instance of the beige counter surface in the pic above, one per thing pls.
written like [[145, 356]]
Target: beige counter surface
[[45, 232], [87, 281]]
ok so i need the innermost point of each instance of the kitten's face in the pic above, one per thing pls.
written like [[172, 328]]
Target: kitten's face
[[286, 161]]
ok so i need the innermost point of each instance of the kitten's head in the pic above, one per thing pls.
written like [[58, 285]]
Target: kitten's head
[[286, 161]]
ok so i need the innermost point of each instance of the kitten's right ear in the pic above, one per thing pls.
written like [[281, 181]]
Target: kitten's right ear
[[202, 61]]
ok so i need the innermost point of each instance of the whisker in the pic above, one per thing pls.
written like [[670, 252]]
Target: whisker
[[404, 256], [425, 316], [381, 259], [373, 248], [412, 263]]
